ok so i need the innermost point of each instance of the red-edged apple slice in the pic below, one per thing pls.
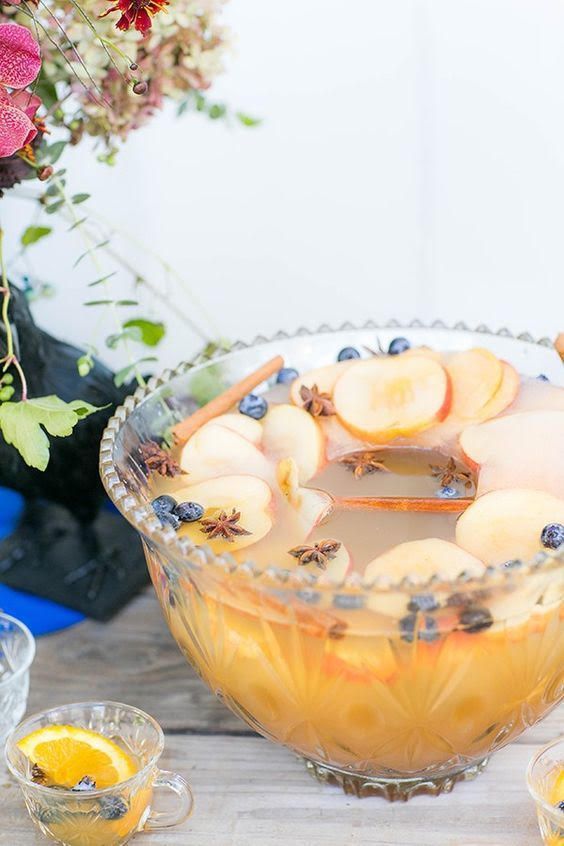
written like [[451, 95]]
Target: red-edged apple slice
[[504, 395], [476, 376], [422, 559], [323, 377], [290, 432], [240, 423], [518, 451], [311, 505], [385, 398], [249, 495], [216, 451], [506, 525]]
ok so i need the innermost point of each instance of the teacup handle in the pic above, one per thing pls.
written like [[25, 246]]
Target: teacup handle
[[179, 786]]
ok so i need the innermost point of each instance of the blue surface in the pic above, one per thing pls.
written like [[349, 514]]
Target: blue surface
[[40, 615]]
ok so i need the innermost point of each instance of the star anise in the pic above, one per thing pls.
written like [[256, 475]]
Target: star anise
[[156, 458], [317, 403], [37, 774], [224, 526], [449, 473], [317, 553], [363, 463]]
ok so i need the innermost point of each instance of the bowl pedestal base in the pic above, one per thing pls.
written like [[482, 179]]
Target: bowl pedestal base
[[393, 790]]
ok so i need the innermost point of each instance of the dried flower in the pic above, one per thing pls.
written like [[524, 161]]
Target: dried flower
[[363, 463], [317, 403], [37, 774], [318, 553], [224, 526], [44, 173], [156, 458]]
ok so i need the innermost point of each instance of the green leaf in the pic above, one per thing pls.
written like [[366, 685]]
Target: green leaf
[[54, 207], [45, 89], [247, 120], [79, 198], [33, 234], [92, 249], [54, 151], [24, 425], [102, 279], [122, 375], [151, 333], [207, 384], [77, 223], [98, 302], [127, 302], [216, 111]]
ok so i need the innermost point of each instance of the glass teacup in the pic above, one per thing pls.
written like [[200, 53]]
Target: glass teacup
[[17, 650], [544, 770], [108, 817]]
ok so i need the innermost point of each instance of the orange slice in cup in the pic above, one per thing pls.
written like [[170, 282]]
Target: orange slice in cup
[[66, 754]]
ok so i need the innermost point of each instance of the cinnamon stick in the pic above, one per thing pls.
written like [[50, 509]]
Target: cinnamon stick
[[401, 503], [223, 402]]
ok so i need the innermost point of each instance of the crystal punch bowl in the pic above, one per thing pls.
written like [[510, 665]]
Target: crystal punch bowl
[[384, 685]]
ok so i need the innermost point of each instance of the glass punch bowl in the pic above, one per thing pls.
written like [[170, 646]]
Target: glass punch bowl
[[322, 668]]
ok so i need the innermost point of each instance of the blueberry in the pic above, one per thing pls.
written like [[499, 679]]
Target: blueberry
[[308, 595], [348, 601], [428, 631], [398, 345], [163, 505], [543, 378], [347, 353], [552, 536], [170, 520], [113, 808], [86, 783], [422, 602], [447, 492], [189, 512], [560, 806], [475, 620], [253, 406], [286, 375]]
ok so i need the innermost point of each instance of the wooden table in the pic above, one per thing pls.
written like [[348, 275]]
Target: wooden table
[[248, 791]]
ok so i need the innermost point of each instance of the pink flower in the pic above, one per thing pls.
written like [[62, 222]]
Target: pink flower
[[20, 62]]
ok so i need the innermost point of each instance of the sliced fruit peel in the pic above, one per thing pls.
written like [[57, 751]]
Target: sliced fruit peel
[[424, 559]]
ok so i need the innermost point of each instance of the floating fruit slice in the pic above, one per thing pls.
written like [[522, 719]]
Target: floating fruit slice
[[476, 376], [557, 792], [240, 423], [66, 754], [518, 451], [504, 395], [385, 398], [422, 559], [290, 432], [310, 504], [215, 451], [323, 377], [248, 495], [538, 395], [506, 525]]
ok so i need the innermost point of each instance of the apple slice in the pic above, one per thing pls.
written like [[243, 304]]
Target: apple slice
[[247, 494], [323, 377], [240, 423], [311, 504], [506, 525], [290, 432], [538, 395], [384, 398], [476, 376], [422, 559], [216, 451], [518, 451], [505, 394]]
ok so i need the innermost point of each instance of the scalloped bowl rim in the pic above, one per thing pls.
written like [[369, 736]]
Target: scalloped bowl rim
[[140, 515]]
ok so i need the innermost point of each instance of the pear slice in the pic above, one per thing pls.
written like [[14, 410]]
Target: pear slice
[[506, 525], [384, 398], [423, 559], [290, 432], [249, 495], [215, 450], [240, 423]]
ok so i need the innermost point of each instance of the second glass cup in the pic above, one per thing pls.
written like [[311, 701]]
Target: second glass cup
[[108, 817]]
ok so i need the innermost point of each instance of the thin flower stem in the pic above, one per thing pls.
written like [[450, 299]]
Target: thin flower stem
[[103, 41], [10, 359]]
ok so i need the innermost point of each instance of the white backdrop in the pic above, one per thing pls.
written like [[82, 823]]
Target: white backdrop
[[410, 163]]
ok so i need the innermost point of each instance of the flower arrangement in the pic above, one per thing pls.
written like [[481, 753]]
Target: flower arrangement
[[69, 70]]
